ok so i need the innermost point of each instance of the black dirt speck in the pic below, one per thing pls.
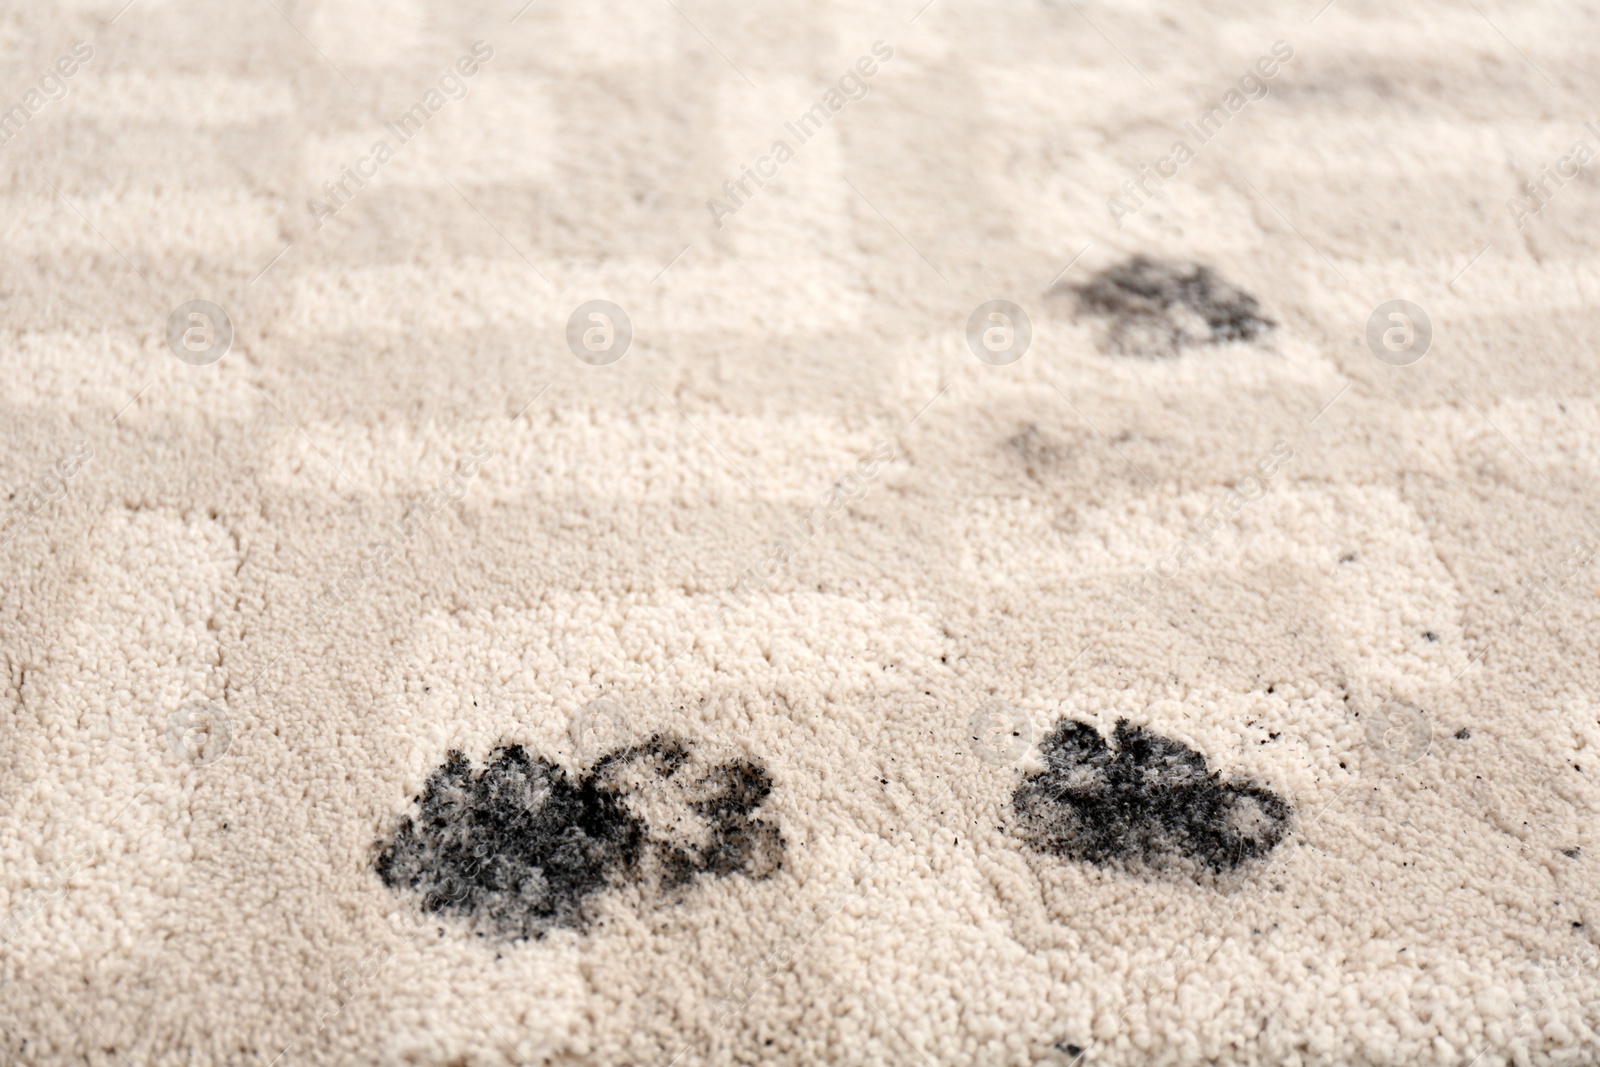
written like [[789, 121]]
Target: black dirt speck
[[1463, 734], [1156, 308], [519, 847], [1151, 803]]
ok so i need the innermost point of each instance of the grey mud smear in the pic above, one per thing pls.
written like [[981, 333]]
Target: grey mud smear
[[1151, 803], [1156, 308], [519, 847]]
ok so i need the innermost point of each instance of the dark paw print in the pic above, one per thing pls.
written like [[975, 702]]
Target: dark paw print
[[1157, 308], [1152, 803], [518, 847]]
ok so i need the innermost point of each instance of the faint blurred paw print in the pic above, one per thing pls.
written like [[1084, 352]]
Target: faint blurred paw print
[[999, 332], [1399, 733], [1399, 332], [599, 332], [1155, 308], [599, 726], [199, 333], [198, 733], [1000, 732]]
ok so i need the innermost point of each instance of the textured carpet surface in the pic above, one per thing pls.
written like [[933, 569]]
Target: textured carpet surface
[[697, 532]]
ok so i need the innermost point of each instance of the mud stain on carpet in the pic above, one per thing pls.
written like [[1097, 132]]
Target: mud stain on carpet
[[1150, 804], [1156, 308], [519, 847]]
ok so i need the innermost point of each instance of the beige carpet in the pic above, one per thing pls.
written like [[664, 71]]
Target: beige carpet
[[995, 579]]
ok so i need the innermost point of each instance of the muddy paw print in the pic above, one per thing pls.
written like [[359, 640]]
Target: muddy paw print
[[1155, 308], [1149, 803], [519, 847]]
